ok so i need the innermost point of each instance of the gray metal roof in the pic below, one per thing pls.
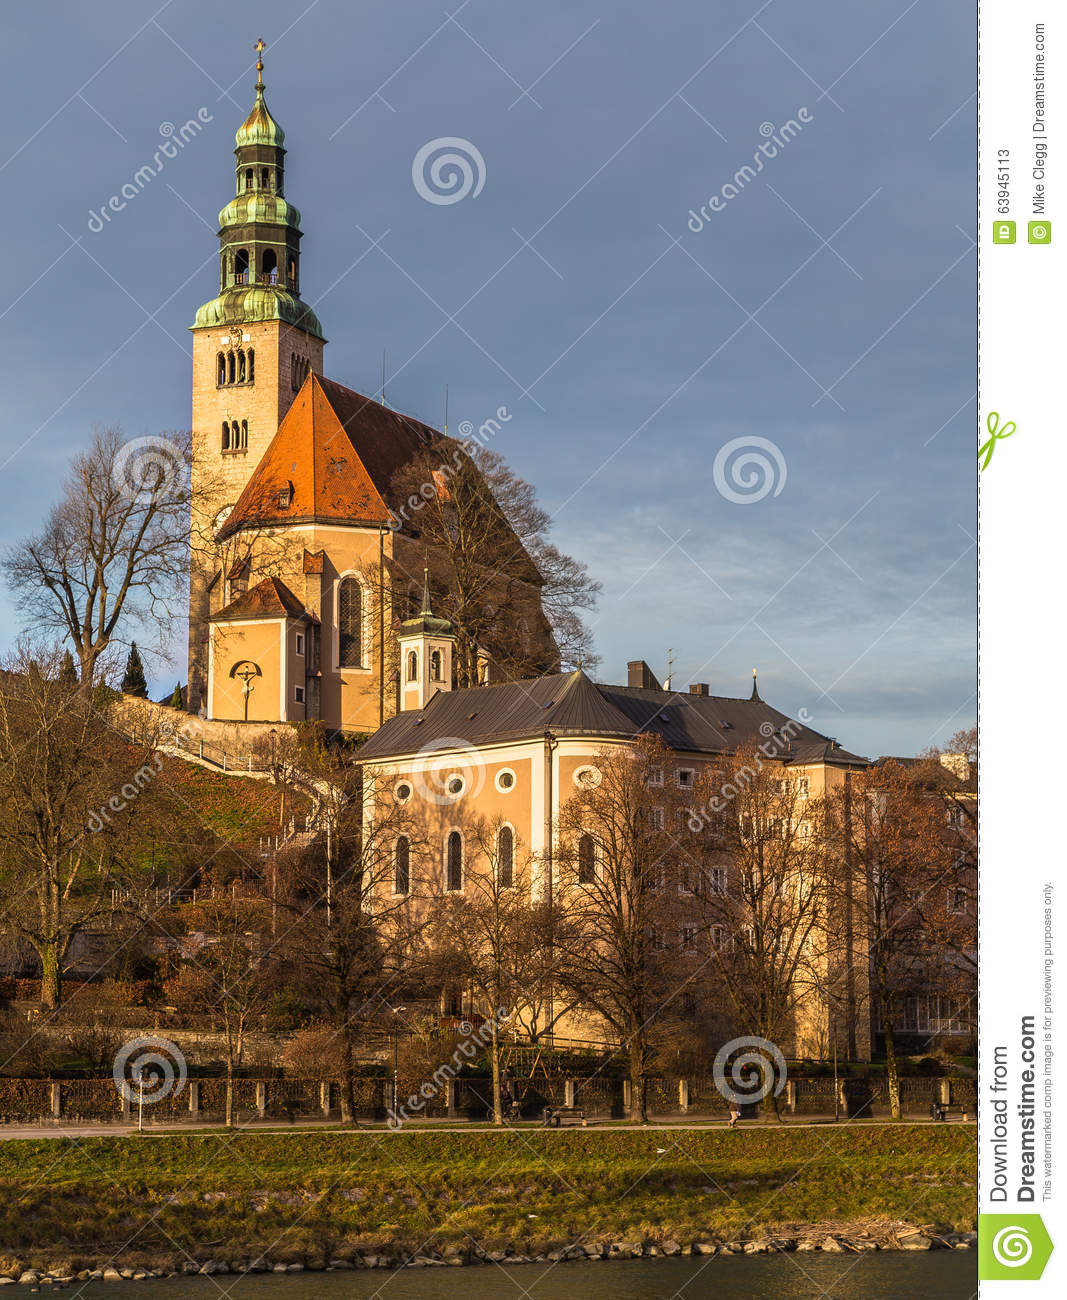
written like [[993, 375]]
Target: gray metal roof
[[569, 704]]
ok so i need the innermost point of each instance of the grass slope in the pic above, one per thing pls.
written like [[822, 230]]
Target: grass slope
[[310, 1196]]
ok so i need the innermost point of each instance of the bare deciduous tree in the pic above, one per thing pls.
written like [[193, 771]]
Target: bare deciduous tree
[[763, 898], [494, 937], [893, 835], [507, 590], [623, 851], [114, 549], [71, 794]]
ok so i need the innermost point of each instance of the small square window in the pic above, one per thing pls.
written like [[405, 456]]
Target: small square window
[[299, 647], [300, 695], [685, 777], [655, 776]]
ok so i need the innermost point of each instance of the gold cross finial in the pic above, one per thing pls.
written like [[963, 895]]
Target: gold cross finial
[[259, 47]]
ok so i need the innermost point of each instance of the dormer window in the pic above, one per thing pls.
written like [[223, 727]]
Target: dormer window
[[285, 496]]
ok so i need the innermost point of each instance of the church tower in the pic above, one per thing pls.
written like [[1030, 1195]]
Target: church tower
[[253, 346], [427, 645]]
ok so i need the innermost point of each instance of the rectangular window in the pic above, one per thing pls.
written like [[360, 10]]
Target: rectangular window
[[717, 881], [718, 936], [957, 901], [689, 938], [655, 776], [300, 643], [299, 695], [655, 818]]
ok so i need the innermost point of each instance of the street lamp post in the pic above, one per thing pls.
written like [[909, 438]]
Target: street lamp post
[[396, 1060]]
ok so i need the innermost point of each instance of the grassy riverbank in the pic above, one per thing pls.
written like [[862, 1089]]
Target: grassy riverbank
[[161, 1200]]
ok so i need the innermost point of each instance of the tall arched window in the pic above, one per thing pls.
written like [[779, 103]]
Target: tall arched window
[[241, 366], [586, 860], [505, 857], [249, 177], [413, 666], [231, 370], [240, 266], [244, 435], [251, 366], [222, 368], [454, 861], [270, 265], [402, 865], [264, 179], [350, 623], [435, 666], [225, 435]]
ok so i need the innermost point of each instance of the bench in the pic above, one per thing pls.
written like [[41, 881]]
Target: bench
[[557, 1116], [945, 1113]]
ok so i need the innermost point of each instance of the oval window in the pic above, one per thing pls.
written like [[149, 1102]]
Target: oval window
[[587, 778], [505, 780], [403, 792]]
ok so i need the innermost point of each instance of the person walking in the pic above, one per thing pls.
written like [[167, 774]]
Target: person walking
[[735, 1113]]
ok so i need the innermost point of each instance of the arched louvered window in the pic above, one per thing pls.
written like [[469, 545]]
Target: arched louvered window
[[454, 861], [402, 864], [435, 666], [350, 623], [586, 860], [413, 666], [505, 857]]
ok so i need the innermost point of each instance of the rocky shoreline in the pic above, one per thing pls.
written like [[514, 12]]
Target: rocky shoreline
[[830, 1238]]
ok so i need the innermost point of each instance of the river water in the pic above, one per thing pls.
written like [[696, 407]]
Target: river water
[[943, 1274]]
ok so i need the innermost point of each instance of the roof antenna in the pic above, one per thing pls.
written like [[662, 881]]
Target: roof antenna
[[670, 669], [755, 690]]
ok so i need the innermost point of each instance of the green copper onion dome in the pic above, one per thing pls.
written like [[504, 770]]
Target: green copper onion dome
[[259, 233], [261, 206], [259, 127]]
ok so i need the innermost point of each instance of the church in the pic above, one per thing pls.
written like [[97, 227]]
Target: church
[[310, 589]]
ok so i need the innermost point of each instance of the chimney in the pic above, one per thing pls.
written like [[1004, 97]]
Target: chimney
[[638, 673], [698, 688]]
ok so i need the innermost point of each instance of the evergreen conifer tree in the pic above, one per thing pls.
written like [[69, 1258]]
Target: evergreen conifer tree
[[133, 679]]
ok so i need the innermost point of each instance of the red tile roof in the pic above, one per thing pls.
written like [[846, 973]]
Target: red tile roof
[[270, 598], [333, 460]]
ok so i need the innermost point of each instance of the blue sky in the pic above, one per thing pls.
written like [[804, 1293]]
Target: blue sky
[[828, 307]]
